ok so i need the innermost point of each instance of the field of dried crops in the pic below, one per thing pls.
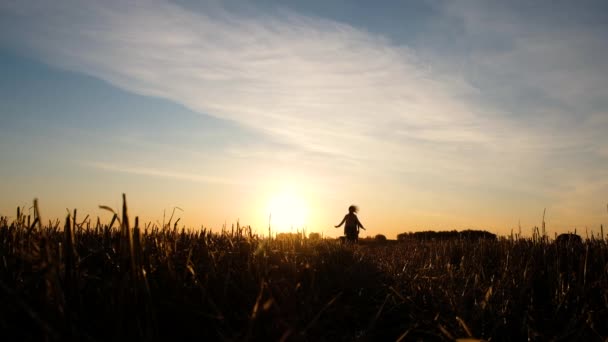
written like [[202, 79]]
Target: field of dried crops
[[81, 280]]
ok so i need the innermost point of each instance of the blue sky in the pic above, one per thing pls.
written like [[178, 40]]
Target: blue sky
[[428, 114]]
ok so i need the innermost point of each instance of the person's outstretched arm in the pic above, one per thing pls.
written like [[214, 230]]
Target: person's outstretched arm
[[360, 224], [344, 219]]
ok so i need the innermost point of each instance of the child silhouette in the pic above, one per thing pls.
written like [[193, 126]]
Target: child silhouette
[[351, 224]]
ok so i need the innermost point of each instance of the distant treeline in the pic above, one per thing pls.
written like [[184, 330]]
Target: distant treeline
[[447, 235]]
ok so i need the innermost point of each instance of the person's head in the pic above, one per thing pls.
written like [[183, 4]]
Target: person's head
[[353, 209]]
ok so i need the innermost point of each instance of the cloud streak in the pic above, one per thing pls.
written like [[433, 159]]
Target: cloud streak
[[154, 172], [322, 85]]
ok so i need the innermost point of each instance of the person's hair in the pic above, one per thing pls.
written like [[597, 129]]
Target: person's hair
[[353, 209]]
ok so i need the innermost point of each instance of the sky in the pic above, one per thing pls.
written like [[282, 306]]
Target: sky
[[428, 115]]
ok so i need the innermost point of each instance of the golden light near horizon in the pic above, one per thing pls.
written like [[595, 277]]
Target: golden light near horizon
[[288, 211]]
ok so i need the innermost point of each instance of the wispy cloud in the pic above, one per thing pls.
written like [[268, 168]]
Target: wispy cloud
[[323, 85], [163, 173], [542, 68]]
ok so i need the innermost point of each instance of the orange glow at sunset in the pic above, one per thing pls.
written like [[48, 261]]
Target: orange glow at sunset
[[288, 211]]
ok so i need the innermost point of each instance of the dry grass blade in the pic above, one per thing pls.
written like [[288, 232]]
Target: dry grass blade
[[486, 298], [318, 315], [172, 213], [69, 257], [258, 301], [445, 332], [377, 315], [585, 265], [85, 220], [397, 293], [37, 212], [254, 312], [464, 326], [105, 207], [404, 335], [31, 227]]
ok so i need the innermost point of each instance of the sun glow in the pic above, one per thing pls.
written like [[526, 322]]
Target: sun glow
[[288, 212]]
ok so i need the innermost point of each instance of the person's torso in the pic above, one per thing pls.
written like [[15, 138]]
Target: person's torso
[[351, 220]]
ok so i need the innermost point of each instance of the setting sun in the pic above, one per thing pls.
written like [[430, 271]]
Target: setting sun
[[287, 211]]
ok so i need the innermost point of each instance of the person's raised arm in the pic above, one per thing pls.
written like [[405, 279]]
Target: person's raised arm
[[338, 226]]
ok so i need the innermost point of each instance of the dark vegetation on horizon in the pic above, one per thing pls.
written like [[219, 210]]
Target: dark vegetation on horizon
[[447, 235], [119, 281]]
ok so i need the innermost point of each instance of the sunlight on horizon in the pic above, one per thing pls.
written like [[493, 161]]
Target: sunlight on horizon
[[288, 211]]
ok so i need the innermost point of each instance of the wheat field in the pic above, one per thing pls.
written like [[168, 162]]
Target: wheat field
[[120, 280]]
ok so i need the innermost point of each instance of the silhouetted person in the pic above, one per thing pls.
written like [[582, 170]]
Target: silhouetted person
[[351, 224]]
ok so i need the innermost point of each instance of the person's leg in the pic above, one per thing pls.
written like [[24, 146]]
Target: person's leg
[[351, 237]]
